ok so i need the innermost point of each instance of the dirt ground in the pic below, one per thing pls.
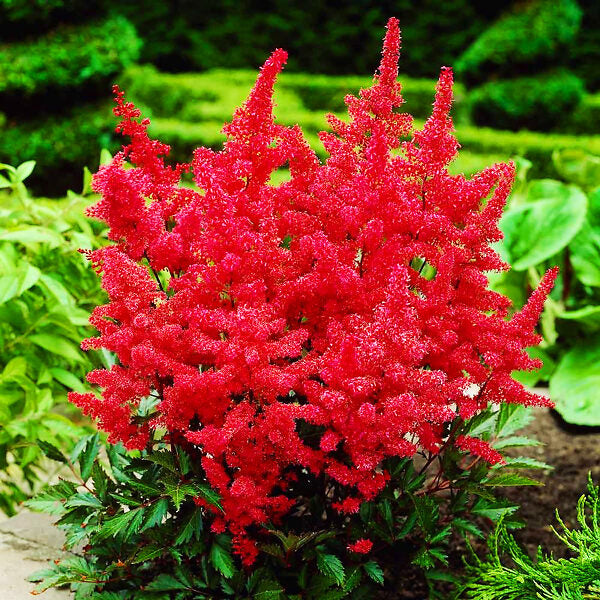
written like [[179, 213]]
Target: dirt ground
[[573, 452]]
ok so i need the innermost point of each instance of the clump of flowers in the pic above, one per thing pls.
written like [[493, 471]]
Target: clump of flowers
[[308, 330]]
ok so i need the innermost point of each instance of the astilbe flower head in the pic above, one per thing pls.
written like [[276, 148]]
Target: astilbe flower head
[[352, 298]]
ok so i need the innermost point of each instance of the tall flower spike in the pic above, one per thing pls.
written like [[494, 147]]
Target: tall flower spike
[[388, 68]]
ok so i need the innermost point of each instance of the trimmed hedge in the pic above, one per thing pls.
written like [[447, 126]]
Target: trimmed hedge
[[61, 146], [321, 37], [214, 94], [68, 57], [585, 118], [536, 147], [537, 103], [522, 41]]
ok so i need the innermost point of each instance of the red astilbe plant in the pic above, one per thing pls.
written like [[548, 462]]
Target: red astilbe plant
[[349, 302]]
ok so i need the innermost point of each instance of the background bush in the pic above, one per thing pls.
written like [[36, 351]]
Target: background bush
[[537, 103], [533, 36], [51, 78]]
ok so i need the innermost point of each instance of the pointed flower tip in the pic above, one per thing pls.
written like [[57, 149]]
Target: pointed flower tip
[[276, 61], [388, 69]]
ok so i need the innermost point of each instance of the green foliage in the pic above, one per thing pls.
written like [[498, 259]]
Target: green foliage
[[585, 118], [68, 57], [46, 292], [509, 573], [531, 35], [64, 144], [536, 147], [547, 223], [147, 537], [535, 102], [320, 37]]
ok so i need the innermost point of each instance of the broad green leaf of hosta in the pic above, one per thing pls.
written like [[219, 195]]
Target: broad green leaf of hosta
[[538, 229], [575, 385], [585, 254], [577, 166]]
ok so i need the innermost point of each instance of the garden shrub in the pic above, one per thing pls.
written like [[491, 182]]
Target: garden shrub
[[509, 573], [52, 78], [321, 37], [46, 294], [169, 94], [525, 39], [305, 383], [62, 142], [536, 147], [585, 119], [68, 57], [537, 103]]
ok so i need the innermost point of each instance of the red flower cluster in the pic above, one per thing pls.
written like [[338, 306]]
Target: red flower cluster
[[352, 298]]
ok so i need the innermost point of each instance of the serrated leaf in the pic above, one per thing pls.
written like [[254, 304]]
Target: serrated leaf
[[331, 566], [88, 456], [208, 494], [465, 526], [221, 560], [509, 479], [111, 527], [178, 491], [512, 417], [147, 553], [52, 452], [165, 583], [192, 526], [523, 462], [155, 514], [100, 479], [83, 499], [515, 442], [164, 459], [373, 570]]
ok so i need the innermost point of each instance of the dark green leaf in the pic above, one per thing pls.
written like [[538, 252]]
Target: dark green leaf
[[52, 452], [373, 570], [88, 456], [221, 560], [331, 566]]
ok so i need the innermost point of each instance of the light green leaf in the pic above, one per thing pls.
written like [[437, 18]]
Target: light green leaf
[[585, 254], [14, 284], [33, 235], [537, 230], [25, 169], [575, 385], [57, 345], [588, 317], [68, 379]]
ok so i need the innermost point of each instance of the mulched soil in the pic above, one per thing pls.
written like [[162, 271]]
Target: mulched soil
[[573, 452]]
